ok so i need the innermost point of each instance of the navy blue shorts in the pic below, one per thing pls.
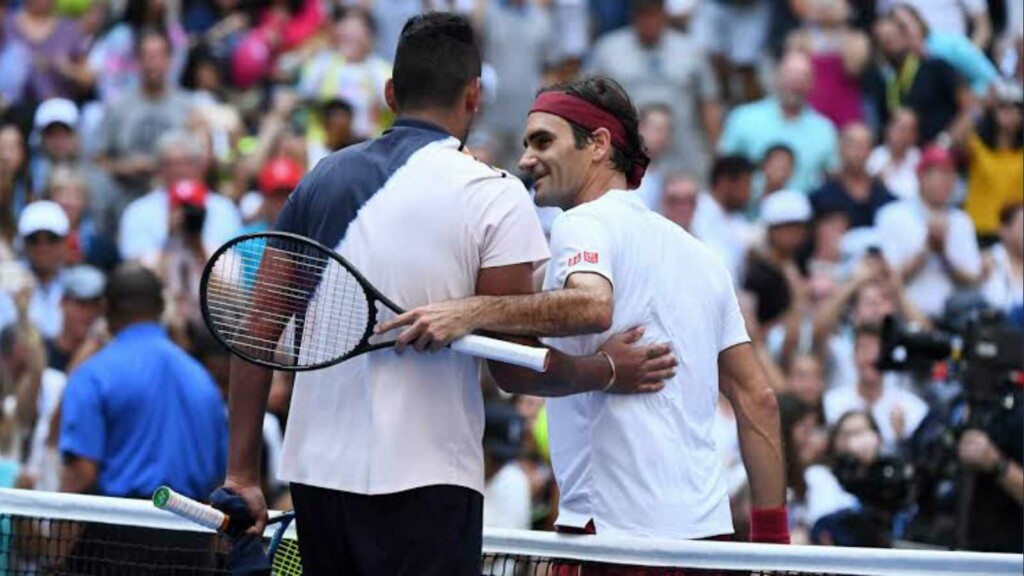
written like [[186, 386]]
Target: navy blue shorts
[[430, 531]]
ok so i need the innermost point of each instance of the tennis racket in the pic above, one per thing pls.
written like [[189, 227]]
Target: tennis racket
[[283, 550], [286, 302]]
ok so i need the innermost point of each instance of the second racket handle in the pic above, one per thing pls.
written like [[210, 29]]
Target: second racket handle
[[510, 353], [189, 509]]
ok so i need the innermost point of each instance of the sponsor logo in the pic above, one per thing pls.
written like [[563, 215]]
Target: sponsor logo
[[590, 257], [574, 260]]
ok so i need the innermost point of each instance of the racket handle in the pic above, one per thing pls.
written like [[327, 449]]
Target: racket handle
[[507, 352], [166, 499]]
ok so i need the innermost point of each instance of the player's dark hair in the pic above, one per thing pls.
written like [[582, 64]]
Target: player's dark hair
[[133, 293], [611, 97], [731, 166], [437, 57]]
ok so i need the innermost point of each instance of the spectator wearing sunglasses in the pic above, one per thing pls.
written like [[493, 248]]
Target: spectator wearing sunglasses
[[43, 228]]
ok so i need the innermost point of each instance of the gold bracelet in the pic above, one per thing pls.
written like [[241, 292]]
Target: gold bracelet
[[611, 381]]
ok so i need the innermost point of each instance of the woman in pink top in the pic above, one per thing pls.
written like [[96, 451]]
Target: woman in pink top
[[839, 54]]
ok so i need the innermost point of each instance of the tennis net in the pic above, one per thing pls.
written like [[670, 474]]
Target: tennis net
[[45, 533]]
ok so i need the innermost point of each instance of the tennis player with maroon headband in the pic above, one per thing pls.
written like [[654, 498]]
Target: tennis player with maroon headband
[[628, 465]]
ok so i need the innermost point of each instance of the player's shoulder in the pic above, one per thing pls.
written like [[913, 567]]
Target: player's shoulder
[[460, 162]]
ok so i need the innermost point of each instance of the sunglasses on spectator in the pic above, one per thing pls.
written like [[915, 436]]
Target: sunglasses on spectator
[[38, 237]]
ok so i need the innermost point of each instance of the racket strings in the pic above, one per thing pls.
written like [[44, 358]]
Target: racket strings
[[285, 302]]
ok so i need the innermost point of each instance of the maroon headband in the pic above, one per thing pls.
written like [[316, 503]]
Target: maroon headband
[[592, 117]]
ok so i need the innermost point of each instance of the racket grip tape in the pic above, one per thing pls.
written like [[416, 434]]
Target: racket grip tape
[[166, 499], [530, 357]]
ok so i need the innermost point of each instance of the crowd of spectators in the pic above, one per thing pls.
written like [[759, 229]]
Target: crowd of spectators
[[848, 160]]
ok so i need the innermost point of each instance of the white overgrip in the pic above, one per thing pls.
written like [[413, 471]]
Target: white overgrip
[[189, 509], [508, 352]]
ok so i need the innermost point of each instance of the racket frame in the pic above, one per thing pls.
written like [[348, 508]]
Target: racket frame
[[371, 294]]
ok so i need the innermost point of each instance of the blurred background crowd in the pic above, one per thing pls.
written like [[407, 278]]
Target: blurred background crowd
[[850, 160]]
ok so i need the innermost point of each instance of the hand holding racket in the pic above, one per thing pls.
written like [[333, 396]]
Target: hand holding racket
[[281, 555], [289, 303]]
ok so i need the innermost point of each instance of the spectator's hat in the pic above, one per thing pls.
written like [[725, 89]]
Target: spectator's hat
[[43, 216], [187, 192], [933, 156], [84, 282], [786, 207], [503, 431], [56, 111], [280, 174], [1008, 92]]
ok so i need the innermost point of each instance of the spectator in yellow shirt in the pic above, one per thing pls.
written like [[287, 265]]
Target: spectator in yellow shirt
[[995, 153]]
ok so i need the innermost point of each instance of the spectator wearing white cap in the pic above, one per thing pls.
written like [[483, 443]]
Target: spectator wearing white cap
[[931, 243], [43, 228], [773, 276], [146, 222], [81, 305], [55, 141]]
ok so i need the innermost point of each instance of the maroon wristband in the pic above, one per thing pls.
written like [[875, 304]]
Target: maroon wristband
[[769, 525]]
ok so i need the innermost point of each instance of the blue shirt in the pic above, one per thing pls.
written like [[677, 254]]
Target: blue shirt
[[753, 128], [965, 57], [148, 414]]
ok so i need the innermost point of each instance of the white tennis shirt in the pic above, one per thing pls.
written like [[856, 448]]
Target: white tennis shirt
[[644, 465], [382, 423]]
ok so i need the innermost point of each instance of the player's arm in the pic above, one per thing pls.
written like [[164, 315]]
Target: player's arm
[[582, 253], [584, 306], [744, 383], [636, 368]]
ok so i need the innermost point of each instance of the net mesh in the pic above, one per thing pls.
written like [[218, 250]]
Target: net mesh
[[279, 299], [49, 534]]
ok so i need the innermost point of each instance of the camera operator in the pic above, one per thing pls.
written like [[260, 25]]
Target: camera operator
[[996, 521], [897, 411], [864, 483]]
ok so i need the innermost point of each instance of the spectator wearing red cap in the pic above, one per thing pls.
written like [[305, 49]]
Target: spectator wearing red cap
[[146, 223], [180, 263], [277, 179], [930, 242]]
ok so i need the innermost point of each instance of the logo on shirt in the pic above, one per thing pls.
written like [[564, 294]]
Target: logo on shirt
[[590, 257], [574, 260]]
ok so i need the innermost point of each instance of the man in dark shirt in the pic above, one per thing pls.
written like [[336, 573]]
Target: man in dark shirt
[[853, 191], [928, 86]]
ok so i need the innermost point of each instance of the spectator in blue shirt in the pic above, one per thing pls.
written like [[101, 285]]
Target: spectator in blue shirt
[[141, 412], [751, 129]]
